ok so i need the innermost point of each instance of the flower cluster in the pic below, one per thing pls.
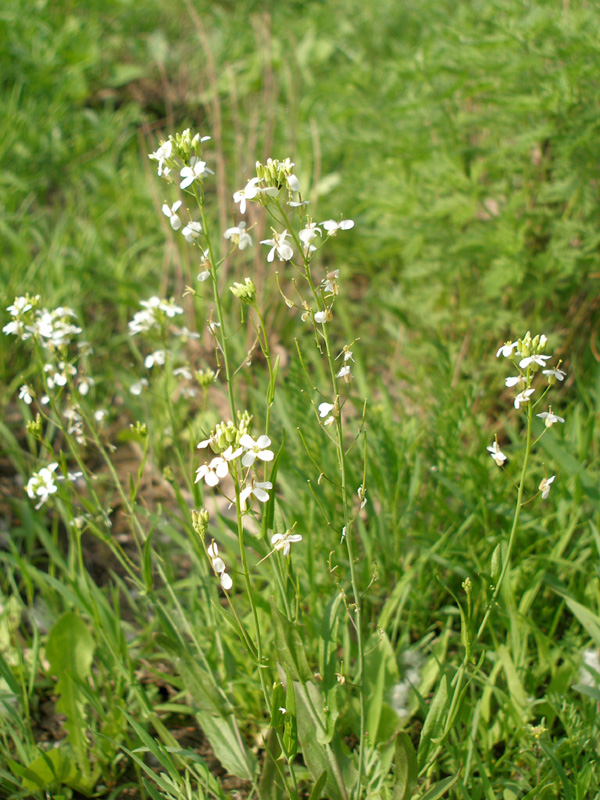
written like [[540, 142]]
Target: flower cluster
[[42, 484], [232, 443], [154, 313], [52, 329], [529, 359], [219, 566]]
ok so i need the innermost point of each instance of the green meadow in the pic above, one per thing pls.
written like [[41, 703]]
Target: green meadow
[[378, 577]]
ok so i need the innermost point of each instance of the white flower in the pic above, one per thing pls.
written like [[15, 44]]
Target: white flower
[[325, 408], [332, 227], [170, 309], [26, 394], [99, 414], [20, 306], [497, 454], [555, 373], [42, 484], [293, 183], [506, 349], [523, 397], [517, 380], [309, 233], [544, 486], [196, 170], [278, 243], [549, 418], [239, 235], [204, 275], [191, 231], [321, 317], [540, 360], [84, 385], [15, 327], [161, 155], [157, 357], [171, 213], [255, 449], [219, 566], [344, 372], [256, 488], [183, 372], [249, 192], [138, 388], [213, 472], [283, 541], [230, 454]]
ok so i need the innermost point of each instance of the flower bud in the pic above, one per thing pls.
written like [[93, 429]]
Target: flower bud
[[246, 292], [34, 427], [200, 522]]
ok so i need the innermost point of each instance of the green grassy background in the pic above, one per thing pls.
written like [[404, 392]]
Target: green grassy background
[[464, 140]]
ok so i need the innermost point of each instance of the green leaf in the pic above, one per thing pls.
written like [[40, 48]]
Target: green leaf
[[589, 620], [439, 789], [225, 739], [432, 721], [322, 756], [70, 650], [319, 786], [290, 726], [381, 672], [289, 646], [147, 563], [406, 768]]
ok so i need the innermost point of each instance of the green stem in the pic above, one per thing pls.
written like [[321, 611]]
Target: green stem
[[513, 532], [357, 620], [215, 285]]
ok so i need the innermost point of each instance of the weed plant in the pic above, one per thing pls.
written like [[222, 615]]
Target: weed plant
[[342, 593]]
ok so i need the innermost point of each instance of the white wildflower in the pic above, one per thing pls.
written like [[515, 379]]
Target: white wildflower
[[279, 244], [239, 236], [156, 358], [26, 394], [256, 488], [284, 541], [497, 454], [549, 418], [255, 449], [138, 387], [554, 374], [171, 213], [544, 486], [325, 408], [523, 397], [163, 153], [332, 227], [196, 170], [507, 349], [214, 472], [535, 359], [191, 231], [42, 484]]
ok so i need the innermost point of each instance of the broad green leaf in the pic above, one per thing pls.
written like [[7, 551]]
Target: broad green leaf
[[515, 687], [432, 726], [439, 789], [318, 787], [70, 650], [290, 649], [381, 672], [330, 757], [588, 620], [225, 739], [406, 768]]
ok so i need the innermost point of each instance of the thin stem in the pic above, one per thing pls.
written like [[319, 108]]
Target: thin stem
[[357, 621], [513, 532]]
